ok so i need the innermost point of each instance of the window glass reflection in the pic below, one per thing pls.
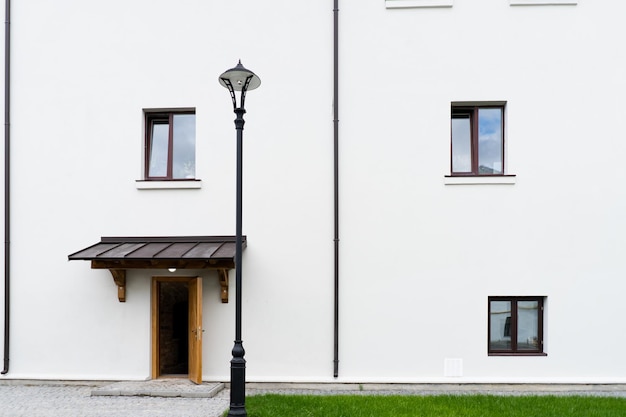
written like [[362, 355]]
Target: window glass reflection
[[159, 150], [461, 144], [500, 321], [527, 325], [490, 141], [184, 152]]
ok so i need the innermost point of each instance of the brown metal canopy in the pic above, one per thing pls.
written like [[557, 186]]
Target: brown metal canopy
[[118, 254]]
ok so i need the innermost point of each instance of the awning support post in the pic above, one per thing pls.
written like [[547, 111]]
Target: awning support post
[[119, 276], [223, 275]]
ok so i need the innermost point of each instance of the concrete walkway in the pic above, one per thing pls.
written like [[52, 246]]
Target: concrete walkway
[[180, 387], [613, 390]]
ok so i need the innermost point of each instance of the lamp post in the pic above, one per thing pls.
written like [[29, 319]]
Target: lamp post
[[238, 79]]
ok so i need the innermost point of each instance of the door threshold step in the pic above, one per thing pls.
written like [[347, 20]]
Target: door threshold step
[[170, 387]]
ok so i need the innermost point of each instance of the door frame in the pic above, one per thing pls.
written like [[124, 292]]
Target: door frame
[[195, 335]]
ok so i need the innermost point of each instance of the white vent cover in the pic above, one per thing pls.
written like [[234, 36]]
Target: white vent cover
[[453, 367]]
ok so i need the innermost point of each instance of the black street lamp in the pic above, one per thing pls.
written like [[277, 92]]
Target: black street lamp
[[238, 79]]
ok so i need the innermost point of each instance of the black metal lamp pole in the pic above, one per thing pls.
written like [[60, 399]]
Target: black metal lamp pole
[[238, 79]]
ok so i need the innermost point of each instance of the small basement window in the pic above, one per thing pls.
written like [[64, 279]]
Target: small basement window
[[515, 325]]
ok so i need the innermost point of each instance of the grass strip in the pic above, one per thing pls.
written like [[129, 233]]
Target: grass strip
[[276, 405]]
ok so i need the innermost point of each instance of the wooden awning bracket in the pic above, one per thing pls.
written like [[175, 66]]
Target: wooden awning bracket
[[223, 275], [119, 276]]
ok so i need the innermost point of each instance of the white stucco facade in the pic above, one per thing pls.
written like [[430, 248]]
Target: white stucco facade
[[420, 251]]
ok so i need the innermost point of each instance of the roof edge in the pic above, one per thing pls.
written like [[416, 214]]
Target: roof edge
[[168, 239]]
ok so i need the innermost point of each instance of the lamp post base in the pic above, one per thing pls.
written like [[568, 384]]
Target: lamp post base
[[237, 411], [238, 382]]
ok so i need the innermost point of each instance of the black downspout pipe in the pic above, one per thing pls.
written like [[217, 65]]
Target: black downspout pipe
[[336, 177], [7, 182]]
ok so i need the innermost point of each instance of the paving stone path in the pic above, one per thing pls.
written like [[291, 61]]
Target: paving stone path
[[78, 401]]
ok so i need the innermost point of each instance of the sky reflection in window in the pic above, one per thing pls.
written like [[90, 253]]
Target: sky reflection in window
[[159, 150], [184, 153], [461, 144], [490, 141]]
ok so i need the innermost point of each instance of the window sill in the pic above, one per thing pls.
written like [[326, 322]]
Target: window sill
[[479, 179], [168, 185], [403, 4], [543, 2], [517, 354]]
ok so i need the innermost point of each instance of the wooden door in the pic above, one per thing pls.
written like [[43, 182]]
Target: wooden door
[[195, 330]]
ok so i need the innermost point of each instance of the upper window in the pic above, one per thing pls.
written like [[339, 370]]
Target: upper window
[[170, 145], [516, 325], [477, 139]]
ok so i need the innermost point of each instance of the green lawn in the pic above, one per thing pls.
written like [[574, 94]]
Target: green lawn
[[273, 405]]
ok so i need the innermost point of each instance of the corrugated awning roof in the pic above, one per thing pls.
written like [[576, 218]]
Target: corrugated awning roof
[[160, 248], [117, 254], [157, 252]]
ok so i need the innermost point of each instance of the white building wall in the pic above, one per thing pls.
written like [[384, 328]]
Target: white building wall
[[419, 257], [435, 252]]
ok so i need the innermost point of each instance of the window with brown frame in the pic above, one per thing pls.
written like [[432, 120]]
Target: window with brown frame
[[170, 147], [477, 139], [516, 325]]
